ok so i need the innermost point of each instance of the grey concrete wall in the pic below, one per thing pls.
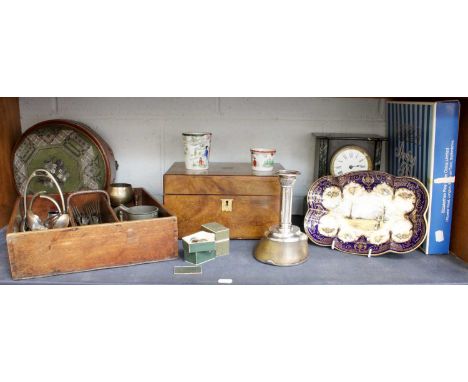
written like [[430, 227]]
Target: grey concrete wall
[[145, 133]]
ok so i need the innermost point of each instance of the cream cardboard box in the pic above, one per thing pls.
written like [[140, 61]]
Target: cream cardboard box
[[221, 237]]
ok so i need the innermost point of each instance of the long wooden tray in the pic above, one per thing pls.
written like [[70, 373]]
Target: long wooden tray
[[85, 248]]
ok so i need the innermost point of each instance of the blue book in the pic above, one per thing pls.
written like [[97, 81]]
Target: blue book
[[422, 139]]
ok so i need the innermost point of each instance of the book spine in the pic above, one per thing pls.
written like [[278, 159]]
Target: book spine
[[441, 176]]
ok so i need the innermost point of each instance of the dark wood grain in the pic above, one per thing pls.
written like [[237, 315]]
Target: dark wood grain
[[10, 132], [220, 185], [459, 236], [196, 198], [221, 179], [251, 216]]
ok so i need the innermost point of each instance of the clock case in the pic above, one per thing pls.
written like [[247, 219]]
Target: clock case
[[327, 145]]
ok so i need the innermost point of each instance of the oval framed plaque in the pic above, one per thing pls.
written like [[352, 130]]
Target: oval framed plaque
[[78, 157]]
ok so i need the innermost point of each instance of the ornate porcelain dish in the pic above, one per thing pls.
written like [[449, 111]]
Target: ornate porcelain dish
[[77, 157], [367, 213]]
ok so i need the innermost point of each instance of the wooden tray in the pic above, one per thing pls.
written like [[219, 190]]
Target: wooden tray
[[85, 248]]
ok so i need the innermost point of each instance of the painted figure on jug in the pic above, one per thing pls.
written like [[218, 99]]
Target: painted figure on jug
[[197, 150], [262, 159]]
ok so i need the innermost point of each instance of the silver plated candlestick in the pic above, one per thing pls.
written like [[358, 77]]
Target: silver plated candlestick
[[284, 244]]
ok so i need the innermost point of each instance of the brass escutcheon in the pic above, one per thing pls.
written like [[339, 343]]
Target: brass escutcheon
[[226, 205]]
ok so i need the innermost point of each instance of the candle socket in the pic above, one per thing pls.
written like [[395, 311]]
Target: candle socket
[[284, 244]]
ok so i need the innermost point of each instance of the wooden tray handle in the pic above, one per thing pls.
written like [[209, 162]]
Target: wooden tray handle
[[88, 192]]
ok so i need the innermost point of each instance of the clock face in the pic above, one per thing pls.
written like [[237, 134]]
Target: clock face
[[349, 159]]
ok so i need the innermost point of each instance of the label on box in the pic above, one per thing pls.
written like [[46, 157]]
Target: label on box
[[439, 236]]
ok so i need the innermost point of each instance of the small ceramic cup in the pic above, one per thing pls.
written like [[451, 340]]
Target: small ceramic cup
[[197, 150], [263, 159]]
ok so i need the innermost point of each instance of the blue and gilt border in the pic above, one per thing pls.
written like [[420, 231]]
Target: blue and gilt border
[[369, 180]]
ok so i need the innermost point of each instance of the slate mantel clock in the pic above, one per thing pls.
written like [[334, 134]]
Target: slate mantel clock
[[339, 154]]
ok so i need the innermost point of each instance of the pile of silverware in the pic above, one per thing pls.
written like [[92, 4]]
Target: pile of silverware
[[88, 214], [83, 214], [55, 219], [88, 211]]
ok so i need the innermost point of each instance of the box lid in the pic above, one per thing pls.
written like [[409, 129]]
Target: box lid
[[222, 178], [221, 232], [215, 227], [199, 242], [222, 168]]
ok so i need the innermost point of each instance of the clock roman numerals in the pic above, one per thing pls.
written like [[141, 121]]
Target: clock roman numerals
[[338, 154], [348, 159]]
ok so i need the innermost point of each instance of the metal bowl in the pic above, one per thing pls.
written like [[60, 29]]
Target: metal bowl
[[120, 193]]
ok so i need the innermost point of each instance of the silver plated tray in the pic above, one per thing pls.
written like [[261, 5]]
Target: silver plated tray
[[367, 213]]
